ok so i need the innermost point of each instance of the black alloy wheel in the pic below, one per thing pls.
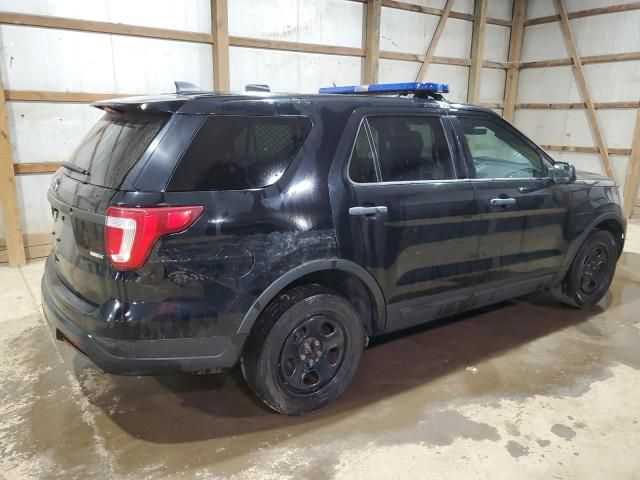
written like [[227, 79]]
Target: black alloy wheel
[[312, 354], [304, 350], [591, 271]]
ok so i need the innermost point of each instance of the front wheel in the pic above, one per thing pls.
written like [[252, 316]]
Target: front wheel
[[304, 351], [592, 270]]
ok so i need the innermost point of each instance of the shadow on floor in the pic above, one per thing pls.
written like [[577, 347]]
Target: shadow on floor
[[178, 409]]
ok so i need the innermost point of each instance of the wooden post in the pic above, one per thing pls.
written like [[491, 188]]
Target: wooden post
[[434, 42], [8, 194], [582, 84], [220, 26], [632, 180], [372, 41], [477, 50], [515, 48]]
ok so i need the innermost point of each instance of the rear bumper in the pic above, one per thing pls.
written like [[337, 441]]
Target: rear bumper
[[130, 356]]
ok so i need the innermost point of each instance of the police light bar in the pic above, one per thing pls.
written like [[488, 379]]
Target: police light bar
[[402, 88]]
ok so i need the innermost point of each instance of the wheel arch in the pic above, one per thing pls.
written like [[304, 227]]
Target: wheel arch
[[609, 221], [314, 269]]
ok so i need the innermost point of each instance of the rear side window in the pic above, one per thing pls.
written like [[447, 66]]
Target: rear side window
[[411, 148], [361, 168], [240, 152], [115, 144]]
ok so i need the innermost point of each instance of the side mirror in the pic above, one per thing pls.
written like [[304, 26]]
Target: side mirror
[[562, 172]]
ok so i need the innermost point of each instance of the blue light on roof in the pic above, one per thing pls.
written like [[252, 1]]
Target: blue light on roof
[[389, 88]]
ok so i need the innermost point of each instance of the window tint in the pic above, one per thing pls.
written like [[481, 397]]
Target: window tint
[[411, 148], [115, 144], [498, 152], [233, 152], [361, 169]]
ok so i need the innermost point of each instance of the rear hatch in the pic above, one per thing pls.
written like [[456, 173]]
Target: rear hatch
[[81, 193]]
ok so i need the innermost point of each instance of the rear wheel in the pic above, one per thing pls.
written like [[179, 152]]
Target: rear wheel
[[304, 351], [591, 272]]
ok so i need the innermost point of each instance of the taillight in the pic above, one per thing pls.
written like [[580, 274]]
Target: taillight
[[131, 233]]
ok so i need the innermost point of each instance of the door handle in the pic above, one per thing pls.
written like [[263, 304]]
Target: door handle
[[499, 202], [367, 210]]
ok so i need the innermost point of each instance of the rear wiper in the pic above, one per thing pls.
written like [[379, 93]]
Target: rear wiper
[[74, 168]]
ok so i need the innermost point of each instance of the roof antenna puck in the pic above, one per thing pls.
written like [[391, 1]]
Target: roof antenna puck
[[186, 87]]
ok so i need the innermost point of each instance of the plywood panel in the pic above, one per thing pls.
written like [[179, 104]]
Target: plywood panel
[[605, 34], [543, 42], [290, 71], [547, 85], [540, 8], [571, 128], [173, 14], [614, 82], [46, 59], [407, 32], [58, 126], [456, 39], [35, 213], [576, 5], [500, 9], [151, 66], [492, 85], [461, 6], [329, 22], [496, 43]]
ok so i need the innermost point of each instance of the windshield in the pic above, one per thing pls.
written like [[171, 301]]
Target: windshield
[[115, 144]]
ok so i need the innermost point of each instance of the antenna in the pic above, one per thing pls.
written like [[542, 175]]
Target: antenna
[[186, 87]]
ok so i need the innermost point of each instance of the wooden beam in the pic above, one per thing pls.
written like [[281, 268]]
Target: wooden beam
[[575, 149], [585, 13], [632, 179], [477, 50], [25, 168], [295, 46], [582, 84], [576, 106], [44, 21], [428, 58], [515, 48], [491, 104], [411, 7], [220, 26], [372, 42], [609, 58], [8, 194], [36, 246], [71, 97]]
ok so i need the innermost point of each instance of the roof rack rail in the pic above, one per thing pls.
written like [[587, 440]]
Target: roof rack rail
[[418, 89], [256, 87]]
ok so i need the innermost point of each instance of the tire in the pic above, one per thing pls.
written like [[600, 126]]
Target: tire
[[591, 271], [304, 350]]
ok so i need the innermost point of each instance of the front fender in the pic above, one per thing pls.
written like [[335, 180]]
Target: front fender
[[577, 242]]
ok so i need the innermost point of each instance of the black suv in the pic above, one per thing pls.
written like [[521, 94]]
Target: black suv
[[193, 231]]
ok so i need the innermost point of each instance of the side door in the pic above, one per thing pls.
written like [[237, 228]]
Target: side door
[[405, 214], [523, 213]]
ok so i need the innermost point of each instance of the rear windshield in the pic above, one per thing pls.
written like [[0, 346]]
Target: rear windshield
[[115, 144], [240, 152]]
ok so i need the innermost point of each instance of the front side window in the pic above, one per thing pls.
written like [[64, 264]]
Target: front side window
[[498, 152], [411, 148], [240, 152]]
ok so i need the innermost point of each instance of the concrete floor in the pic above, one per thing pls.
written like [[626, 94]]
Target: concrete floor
[[526, 389]]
